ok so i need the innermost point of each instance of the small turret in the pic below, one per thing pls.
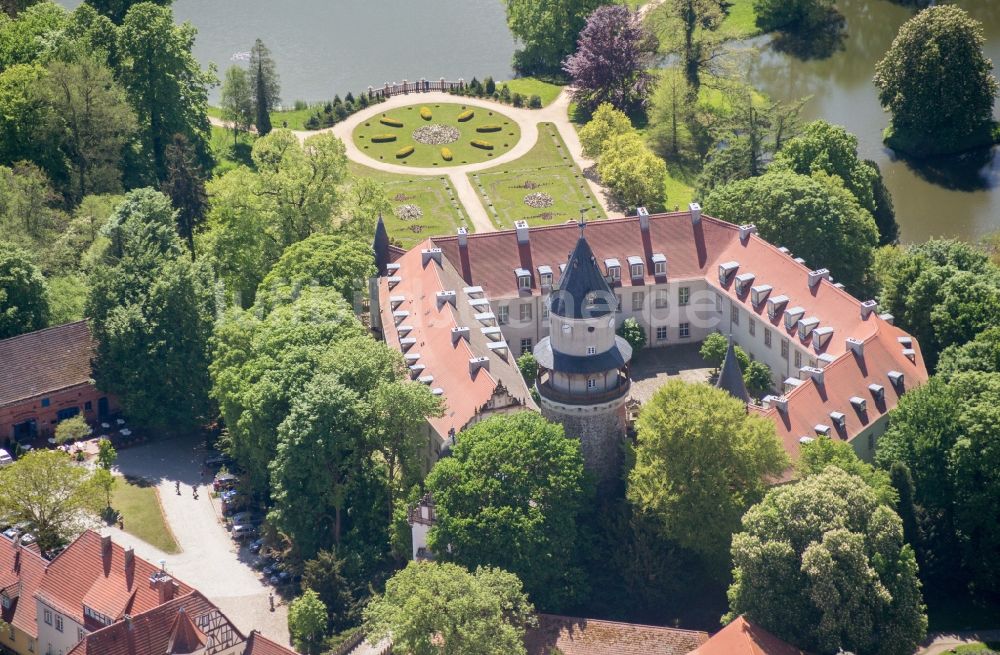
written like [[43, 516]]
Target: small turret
[[731, 377]]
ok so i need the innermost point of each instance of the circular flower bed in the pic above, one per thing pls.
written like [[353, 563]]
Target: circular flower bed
[[408, 212], [436, 135], [538, 200]]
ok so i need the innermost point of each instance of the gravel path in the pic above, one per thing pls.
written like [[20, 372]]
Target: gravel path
[[209, 559]]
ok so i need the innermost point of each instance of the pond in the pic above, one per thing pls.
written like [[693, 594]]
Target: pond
[[953, 198], [327, 47]]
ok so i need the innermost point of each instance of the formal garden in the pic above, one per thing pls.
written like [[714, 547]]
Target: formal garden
[[437, 134], [545, 186]]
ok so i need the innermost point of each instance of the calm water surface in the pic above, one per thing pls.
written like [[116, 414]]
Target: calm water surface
[[327, 47], [958, 199]]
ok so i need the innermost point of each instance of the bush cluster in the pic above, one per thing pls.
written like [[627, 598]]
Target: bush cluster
[[482, 145], [391, 122], [404, 152], [466, 115], [489, 128], [446, 154], [331, 113], [425, 113], [383, 138], [489, 89]]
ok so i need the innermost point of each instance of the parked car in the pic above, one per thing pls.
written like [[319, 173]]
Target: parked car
[[216, 460], [256, 545], [244, 531], [280, 578], [28, 539], [262, 562], [224, 481], [5, 458]]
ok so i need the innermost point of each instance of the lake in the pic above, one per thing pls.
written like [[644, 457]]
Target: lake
[[327, 47], [959, 199]]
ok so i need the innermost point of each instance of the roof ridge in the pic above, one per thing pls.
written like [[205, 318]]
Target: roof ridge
[[623, 623], [46, 329]]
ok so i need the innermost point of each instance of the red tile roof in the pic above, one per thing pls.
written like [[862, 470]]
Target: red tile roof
[[44, 362], [185, 637], [21, 571], [573, 636], [741, 637], [83, 575], [445, 358], [258, 644], [693, 251]]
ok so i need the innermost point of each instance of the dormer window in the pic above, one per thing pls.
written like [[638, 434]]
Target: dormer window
[[5, 601], [859, 404], [545, 276], [878, 392], [613, 270], [792, 317], [726, 272], [806, 326], [822, 430], [635, 267], [839, 420], [776, 305], [743, 282], [523, 279], [759, 293], [659, 265]]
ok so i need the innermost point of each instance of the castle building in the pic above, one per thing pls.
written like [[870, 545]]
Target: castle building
[[462, 307]]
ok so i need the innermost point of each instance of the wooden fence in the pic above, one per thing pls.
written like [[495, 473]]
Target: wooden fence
[[420, 86]]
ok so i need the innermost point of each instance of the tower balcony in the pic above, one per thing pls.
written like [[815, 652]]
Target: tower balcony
[[584, 397]]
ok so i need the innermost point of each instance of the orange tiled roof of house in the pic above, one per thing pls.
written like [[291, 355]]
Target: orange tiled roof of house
[[862, 356], [45, 361], [742, 637], [21, 571], [574, 636], [98, 573], [258, 644]]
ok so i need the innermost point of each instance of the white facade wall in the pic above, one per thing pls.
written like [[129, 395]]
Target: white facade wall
[[50, 640]]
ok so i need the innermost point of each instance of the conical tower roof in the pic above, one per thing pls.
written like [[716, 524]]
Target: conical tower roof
[[583, 292], [380, 246], [731, 377], [185, 637]]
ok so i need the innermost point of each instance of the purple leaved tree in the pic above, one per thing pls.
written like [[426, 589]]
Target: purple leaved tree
[[610, 64]]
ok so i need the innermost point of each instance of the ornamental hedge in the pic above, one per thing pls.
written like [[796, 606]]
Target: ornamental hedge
[[482, 145], [446, 154], [383, 138], [466, 116], [489, 128], [404, 152], [391, 122], [425, 113]]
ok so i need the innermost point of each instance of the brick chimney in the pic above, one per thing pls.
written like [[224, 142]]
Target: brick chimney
[[129, 561], [106, 550]]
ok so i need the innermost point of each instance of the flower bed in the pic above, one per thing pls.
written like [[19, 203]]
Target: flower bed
[[436, 135]]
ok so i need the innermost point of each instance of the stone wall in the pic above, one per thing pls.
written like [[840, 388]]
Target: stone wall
[[600, 429]]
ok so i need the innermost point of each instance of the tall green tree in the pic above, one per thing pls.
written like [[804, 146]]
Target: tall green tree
[[699, 20], [606, 122], [27, 123], [24, 300], [814, 216], [816, 456], [307, 622], [185, 186], [694, 427], [822, 564], [980, 354], [632, 172], [546, 31], [437, 609], [327, 575], [237, 101], [937, 83], [30, 216], [95, 123], [509, 496], [117, 9], [49, 492], [165, 84], [152, 311], [264, 86]]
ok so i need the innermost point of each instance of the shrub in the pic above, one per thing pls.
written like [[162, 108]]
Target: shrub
[[383, 138], [505, 93], [535, 102], [517, 100], [300, 105], [482, 145], [466, 116], [425, 113], [404, 152], [489, 128], [446, 154], [490, 86], [391, 122]]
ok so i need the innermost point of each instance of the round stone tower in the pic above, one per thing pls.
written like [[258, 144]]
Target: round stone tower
[[583, 366]]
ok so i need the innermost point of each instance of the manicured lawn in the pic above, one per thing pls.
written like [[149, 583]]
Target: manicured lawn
[[423, 155], [978, 648], [139, 505], [442, 213], [227, 154], [295, 118], [532, 86], [548, 169]]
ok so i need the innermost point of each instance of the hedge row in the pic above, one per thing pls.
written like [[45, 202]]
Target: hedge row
[[446, 154], [391, 122], [425, 113], [330, 113], [482, 145], [383, 138], [404, 152], [489, 128], [466, 116]]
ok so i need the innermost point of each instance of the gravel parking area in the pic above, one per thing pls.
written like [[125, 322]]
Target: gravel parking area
[[209, 559], [653, 367]]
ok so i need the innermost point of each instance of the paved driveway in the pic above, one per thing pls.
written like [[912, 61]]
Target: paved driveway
[[209, 559], [653, 367]]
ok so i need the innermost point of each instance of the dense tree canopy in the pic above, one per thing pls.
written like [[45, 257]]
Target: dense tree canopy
[[632, 172], [606, 122], [816, 456], [814, 216], [936, 81], [699, 19], [24, 300], [509, 496], [822, 564], [152, 311], [980, 354], [116, 9], [237, 100], [694, 427], [307, 622], [610, 64], [546, 31], [442, 609]]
